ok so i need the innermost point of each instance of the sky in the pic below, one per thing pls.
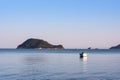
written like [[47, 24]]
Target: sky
[[72, 23]]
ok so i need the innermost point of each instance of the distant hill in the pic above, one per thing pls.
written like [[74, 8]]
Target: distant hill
[[37, 43], [115, 47]]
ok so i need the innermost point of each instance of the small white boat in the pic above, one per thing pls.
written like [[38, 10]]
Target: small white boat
[[83, 54]]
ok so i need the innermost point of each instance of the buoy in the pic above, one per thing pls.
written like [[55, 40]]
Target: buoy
[[83, 54]]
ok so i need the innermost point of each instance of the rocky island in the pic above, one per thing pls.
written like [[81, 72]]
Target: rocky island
[[38, 44], [115, 47]]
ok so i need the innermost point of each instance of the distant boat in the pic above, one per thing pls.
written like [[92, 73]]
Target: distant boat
[[89, 48], [83, 54]]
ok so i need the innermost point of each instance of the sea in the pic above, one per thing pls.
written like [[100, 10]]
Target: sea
[[59, 64]]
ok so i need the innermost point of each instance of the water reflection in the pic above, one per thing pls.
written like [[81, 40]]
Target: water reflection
[[34, 59], [84, 59], [84, 64]]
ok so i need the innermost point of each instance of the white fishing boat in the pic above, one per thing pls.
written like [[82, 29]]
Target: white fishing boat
[[83, 54]]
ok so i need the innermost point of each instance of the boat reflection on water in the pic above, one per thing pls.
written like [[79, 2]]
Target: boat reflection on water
[[84, 63], [84, 59]]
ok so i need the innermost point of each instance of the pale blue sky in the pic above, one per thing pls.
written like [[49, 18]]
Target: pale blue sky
[[73, 23]]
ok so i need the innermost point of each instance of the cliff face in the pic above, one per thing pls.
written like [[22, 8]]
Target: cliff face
[[37, 43], [115, 47]]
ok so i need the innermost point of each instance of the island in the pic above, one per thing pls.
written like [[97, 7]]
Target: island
[[33, 43], [115, 47]]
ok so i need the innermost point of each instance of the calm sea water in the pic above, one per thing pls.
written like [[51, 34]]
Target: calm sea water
[[21, 64]]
